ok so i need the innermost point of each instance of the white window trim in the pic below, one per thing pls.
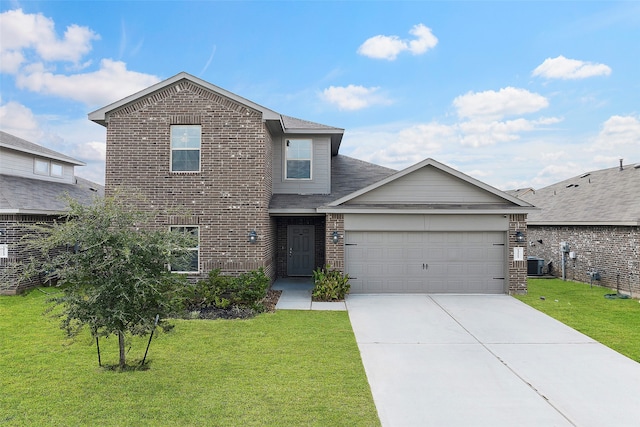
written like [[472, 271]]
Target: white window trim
[[185, 149], [310, 160], [196, 248]]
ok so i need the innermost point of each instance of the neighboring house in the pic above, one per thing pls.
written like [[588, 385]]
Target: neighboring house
[[261, 189], [33, 181], [598, 214]]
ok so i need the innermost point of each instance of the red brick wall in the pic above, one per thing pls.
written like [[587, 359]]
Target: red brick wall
[[335, 251], [517, 269], [611, 250], [14, 229], [227, 199]]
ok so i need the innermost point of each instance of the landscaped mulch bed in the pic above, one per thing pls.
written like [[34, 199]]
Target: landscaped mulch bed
[[269, 302]]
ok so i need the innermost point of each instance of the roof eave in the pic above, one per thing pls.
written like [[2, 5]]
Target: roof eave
[[100, 116], [290, 212], [65, 159], [630, 223], [423, 211], [31, 212]]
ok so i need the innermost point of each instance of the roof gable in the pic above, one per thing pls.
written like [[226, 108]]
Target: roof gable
[[429, 183], [101, 116], [276, 122]]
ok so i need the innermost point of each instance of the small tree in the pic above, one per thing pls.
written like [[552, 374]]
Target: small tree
[[111, 268]]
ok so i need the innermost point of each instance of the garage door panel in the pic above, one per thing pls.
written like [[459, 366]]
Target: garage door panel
[[456, 262]]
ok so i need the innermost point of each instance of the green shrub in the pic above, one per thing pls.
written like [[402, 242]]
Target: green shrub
[[247, 290], [329, 285]]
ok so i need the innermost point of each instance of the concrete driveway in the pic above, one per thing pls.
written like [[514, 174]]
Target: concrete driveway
[[476, 360]]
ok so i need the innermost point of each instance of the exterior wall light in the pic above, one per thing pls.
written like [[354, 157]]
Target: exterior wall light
[[335, 237], [253, 236], [519, 236]]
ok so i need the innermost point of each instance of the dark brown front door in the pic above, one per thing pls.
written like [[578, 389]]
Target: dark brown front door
[[301, 250]]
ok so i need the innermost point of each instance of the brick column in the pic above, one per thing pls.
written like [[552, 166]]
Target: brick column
[[334, 252], [517, 269]]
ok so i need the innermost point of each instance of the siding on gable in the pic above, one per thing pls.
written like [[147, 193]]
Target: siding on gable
[[320, 182], [427, 185], [22, 164]]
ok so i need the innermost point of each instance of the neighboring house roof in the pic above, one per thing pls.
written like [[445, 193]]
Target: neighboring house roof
[[19, 144], [19, 195], [436, 188], [275, 121], [519, 192], [347, 175], [602, 197]]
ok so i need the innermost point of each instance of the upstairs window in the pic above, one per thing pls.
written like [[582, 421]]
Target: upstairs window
[[41, 167], [57, 169], [185, 148], [298, 159]]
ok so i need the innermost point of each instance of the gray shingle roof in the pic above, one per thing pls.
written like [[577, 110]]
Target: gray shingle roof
[[19, 144], [294, 123], [25, 195], [606, 196], [347, 175]]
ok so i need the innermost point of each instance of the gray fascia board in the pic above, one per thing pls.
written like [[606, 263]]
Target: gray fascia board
[[29, 212], [99, 116], [586, 223], [290, 212], [330, 209]]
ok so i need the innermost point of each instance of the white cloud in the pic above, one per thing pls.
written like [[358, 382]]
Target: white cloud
[[619, 138], [110, 83], [491, 104], [93, 150], [389, 47], [19, 121], [20, 31], [568, 69], [353, 97], [479, 133], [10, 61]]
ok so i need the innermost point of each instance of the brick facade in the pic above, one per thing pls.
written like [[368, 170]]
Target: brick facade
[[613, 251], [335, 251], [517, 269], [226, 200], [15, 227]]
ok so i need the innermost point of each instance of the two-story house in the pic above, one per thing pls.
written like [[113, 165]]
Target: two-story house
[[261, 189], [33, 181]]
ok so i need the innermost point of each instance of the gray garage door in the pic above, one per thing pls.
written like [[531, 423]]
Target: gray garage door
[[429, 262]]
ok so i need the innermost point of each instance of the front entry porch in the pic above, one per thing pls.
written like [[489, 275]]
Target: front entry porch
[[300, 245]]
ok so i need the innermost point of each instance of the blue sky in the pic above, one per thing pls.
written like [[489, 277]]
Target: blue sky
[[515, 94]]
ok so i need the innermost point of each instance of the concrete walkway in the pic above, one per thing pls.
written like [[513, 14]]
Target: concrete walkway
[[476, 360], [296, 295]]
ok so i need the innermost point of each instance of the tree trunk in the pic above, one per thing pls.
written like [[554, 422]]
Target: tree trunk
[[121, 344]]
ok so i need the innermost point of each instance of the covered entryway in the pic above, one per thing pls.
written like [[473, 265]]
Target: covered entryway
[[426, 261]]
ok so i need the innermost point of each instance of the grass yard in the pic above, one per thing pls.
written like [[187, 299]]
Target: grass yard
[[285, 368], [613, 322]]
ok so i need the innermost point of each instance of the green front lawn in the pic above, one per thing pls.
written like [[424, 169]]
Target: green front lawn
[[285, 368], [613, 322]]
